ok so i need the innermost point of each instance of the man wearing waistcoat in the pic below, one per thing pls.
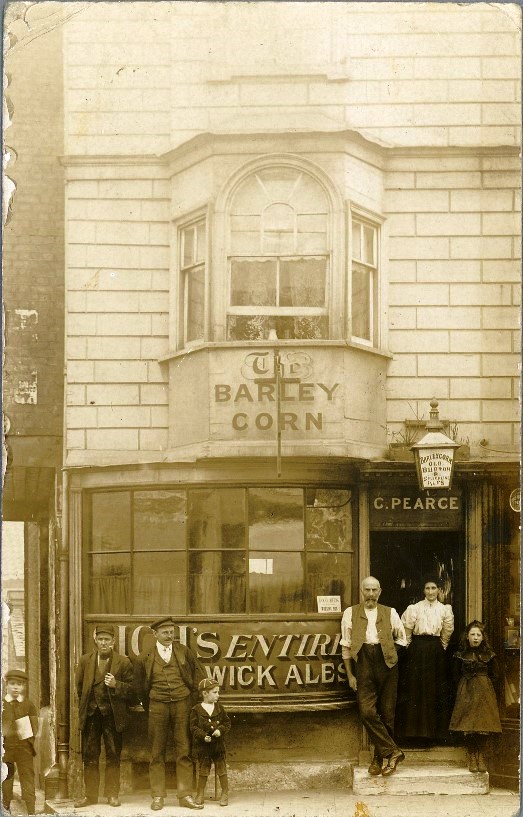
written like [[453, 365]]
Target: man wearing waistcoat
[[104, 682], [371, 635], [167, 678]]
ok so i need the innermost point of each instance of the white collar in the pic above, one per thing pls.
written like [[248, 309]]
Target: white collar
[[163, 650], [9, 698]]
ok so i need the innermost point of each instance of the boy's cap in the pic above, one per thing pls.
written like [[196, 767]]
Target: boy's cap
[[207, 684], [168, 620], [16, 675], [108, 629]]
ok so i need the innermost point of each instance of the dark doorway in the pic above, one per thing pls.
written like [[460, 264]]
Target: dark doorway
[[401, 560]]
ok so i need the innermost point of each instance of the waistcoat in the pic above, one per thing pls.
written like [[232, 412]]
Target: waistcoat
[[167, 683], [359, 630], [99, 696]]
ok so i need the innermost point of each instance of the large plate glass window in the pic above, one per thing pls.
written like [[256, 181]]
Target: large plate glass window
[[279, 259], [217, 550]]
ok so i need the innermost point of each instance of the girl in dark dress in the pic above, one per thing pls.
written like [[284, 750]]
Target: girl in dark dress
[[475, 712], [209, 723]]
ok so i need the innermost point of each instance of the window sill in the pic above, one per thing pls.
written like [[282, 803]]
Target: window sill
[[274, 344]]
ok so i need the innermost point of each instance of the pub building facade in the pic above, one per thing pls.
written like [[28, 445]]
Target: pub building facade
[[260, 305], [276, 491]]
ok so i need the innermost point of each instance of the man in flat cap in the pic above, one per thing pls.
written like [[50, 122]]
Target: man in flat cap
[[104, 683], [167, 678]]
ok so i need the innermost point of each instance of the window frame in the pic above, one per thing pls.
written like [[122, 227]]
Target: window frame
[[366, 218], [349, 550], [179, 304]]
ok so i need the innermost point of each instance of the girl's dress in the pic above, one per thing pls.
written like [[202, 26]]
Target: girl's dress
[[202, 724], [476, 708], [423, 700]]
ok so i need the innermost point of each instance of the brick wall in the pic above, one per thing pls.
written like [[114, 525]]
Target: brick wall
[[439, 84], [33, 258], [139, 81]]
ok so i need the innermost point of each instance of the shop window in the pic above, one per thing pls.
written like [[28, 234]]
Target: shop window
[[192, 244], [279, 259], [218, 550], [364, 281]]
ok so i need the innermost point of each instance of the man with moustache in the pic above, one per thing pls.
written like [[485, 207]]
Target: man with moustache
[[104, 683], [167, 676], [371, 635]]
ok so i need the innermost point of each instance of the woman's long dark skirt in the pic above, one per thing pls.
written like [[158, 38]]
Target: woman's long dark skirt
[[423, 700]]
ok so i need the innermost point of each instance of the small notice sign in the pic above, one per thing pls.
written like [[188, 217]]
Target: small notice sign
[[329, 604]]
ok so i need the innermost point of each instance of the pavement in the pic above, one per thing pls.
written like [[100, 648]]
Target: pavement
[[313, 803]]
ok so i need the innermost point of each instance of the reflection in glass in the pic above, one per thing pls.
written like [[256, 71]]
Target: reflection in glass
[[216, 518], [110, 587], [328, 574], [276, 582], [195, 299], [328, 519], [361, 301], [159, 520], [217, 582], [276, 518], [111, 520], [159, 582], [258, 327]]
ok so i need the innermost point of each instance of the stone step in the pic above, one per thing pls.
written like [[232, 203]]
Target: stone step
[[437, 754], [422, 778]]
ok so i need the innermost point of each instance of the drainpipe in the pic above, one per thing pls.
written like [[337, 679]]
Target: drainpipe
[[63, 657]]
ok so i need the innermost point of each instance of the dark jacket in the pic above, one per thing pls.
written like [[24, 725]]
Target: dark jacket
[[203, 724], [11, 712], [191, 671], [122, 669]]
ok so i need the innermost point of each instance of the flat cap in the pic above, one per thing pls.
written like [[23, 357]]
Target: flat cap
[[104, 628], [167, 620], [16, 675]]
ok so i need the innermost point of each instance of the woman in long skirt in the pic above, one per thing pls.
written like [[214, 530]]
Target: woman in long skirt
[[423, 709]]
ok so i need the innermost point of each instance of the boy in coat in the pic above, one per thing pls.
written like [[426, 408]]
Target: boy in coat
[[19, 729], [104, 681]]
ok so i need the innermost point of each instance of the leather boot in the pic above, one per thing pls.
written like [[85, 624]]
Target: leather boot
[[482, 766], [224, 783], [200, 790]]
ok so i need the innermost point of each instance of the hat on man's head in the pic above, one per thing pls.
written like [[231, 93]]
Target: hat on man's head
[[16, 675], [108, 629], [166, 621], [208, 683]]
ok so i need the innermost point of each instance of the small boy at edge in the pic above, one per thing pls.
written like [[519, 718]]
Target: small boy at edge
[[19, 729]]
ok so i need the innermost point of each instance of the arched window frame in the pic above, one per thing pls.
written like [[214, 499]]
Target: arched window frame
[[334, 238]]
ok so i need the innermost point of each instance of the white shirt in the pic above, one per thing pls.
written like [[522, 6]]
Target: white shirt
[[164, 652], [429, 618], [209, 708], [371, 635]]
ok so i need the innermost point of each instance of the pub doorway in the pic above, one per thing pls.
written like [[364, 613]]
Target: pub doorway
[[401, 560]]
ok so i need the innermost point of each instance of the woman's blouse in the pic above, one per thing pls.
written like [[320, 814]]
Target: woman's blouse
[[429, 618]]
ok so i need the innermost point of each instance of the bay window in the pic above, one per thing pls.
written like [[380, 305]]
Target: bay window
[[364, 281], [192, 281]]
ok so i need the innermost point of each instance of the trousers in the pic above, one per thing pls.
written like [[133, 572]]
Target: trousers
[[96, 726], [376, 696], [163, 717], [21, 757]]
